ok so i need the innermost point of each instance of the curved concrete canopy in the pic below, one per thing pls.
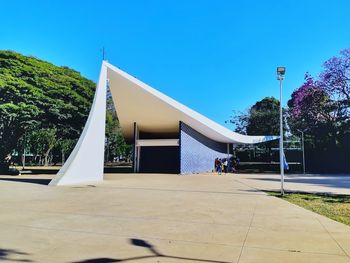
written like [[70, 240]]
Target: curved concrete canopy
[[155, 112], [135, 102]]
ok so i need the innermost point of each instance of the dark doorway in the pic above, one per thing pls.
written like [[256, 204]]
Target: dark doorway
[[160, 159]]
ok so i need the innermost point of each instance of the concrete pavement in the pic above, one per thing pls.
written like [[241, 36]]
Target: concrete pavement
[[161, 218], [312, 183]]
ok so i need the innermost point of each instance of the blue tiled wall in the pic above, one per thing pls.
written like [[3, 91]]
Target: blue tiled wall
[[198, 152]]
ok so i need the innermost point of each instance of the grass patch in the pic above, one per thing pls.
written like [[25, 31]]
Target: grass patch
[[336, 207]]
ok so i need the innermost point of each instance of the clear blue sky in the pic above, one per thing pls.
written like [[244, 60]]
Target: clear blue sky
[[213, 56]]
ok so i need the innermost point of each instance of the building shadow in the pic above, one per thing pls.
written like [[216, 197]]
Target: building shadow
[[117, 170], [334, 181], [150, 248], [40, 170], [251, 191], [6, 254], [27, 180]]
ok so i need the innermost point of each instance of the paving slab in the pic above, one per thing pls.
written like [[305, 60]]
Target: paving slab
[[312, 183], [160, 218]]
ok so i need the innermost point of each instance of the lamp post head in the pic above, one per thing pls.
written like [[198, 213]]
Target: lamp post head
[[281, 71]]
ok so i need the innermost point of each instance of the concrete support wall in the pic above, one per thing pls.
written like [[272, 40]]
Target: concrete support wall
[[198, 152], [85, 163]]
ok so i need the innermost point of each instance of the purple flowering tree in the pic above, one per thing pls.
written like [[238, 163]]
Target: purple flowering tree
[[335, 79], [310, 106], [322, 106]]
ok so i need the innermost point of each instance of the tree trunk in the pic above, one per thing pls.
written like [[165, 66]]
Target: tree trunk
[[47, 158]]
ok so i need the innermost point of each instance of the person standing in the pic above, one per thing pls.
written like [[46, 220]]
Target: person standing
[[219, 166], [216, 163], [225, 164]]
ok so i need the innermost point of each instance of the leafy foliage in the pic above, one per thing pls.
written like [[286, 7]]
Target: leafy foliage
[[14, 119], [44, 108], [335, 78], [42, 141], [261, 119], [264, 117], [310, 109], [115, 143], [321, 107], [62, 95]]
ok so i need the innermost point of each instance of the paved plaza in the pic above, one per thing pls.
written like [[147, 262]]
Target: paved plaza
[[311, 183], [162, 218]]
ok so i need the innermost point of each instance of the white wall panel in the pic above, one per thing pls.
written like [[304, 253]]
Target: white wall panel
[[85, 163]]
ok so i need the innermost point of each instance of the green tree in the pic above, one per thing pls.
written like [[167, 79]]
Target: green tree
[[57, 98], [313, 108], [115, 143], [260, 119], [14, 120], [49, 139], [46, 107], [264, 117], [64, 147]]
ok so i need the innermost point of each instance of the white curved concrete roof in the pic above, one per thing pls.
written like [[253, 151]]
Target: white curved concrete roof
[[153, 111]]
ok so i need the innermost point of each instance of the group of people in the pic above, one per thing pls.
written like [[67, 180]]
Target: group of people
[[226, 165]]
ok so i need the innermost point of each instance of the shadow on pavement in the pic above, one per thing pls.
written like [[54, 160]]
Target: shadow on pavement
[[27, 180], [5, 255], [334, 181], [150, 248], [35, 170]]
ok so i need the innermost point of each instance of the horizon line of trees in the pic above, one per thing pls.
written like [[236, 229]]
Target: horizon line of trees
[[43, 110], [320, 108]]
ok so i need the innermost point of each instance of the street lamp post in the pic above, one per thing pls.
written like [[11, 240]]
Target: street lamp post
[[280, 76]]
